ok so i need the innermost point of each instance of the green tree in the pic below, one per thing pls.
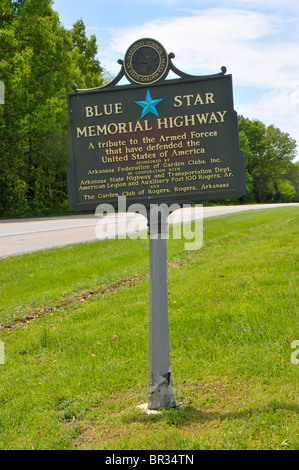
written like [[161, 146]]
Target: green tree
[[292, 176], [84, 52], [39, 60], [268, 160], [249, 196]]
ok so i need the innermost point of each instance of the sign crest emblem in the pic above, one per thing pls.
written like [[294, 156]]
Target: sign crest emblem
[[146, 62]]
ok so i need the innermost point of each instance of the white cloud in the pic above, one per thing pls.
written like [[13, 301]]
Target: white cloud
[[208, 39], [248, 43], [274, 4], [278, 107], [207, 27]]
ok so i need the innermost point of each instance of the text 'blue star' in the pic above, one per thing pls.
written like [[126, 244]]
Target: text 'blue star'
[[149, 105]]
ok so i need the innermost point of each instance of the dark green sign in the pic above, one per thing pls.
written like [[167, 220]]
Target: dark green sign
[[161, 141]]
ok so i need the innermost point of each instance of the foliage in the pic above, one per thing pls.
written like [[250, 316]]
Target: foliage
[[39, 60], [268, 154]]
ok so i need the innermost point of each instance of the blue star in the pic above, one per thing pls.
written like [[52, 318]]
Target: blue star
[[149, 105]]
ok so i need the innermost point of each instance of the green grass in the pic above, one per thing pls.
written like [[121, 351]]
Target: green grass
[[75, 330]]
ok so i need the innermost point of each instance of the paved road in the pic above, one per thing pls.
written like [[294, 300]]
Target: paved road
[[27, 235]]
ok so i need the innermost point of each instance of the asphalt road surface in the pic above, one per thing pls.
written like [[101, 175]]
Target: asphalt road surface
[[27, 235]]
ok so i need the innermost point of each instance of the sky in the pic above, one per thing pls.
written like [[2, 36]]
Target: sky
[[256, 40]]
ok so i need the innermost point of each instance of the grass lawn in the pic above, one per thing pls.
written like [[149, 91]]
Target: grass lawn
[[74, 324]]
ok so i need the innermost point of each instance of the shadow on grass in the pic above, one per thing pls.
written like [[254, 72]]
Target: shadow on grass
[[184, 415]]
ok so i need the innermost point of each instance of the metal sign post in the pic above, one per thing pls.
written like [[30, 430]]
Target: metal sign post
[[160, 392]]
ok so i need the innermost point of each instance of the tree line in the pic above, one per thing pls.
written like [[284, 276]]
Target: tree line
[[271, 175], [39, 60]]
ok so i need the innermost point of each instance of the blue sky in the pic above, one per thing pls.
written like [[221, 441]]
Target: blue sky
[[257, 40]]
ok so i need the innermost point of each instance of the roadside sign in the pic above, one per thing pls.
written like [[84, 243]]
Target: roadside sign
[[167, 140], [155, 142]]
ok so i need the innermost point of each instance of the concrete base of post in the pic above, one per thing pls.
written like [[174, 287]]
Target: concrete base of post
[[146, 409]]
